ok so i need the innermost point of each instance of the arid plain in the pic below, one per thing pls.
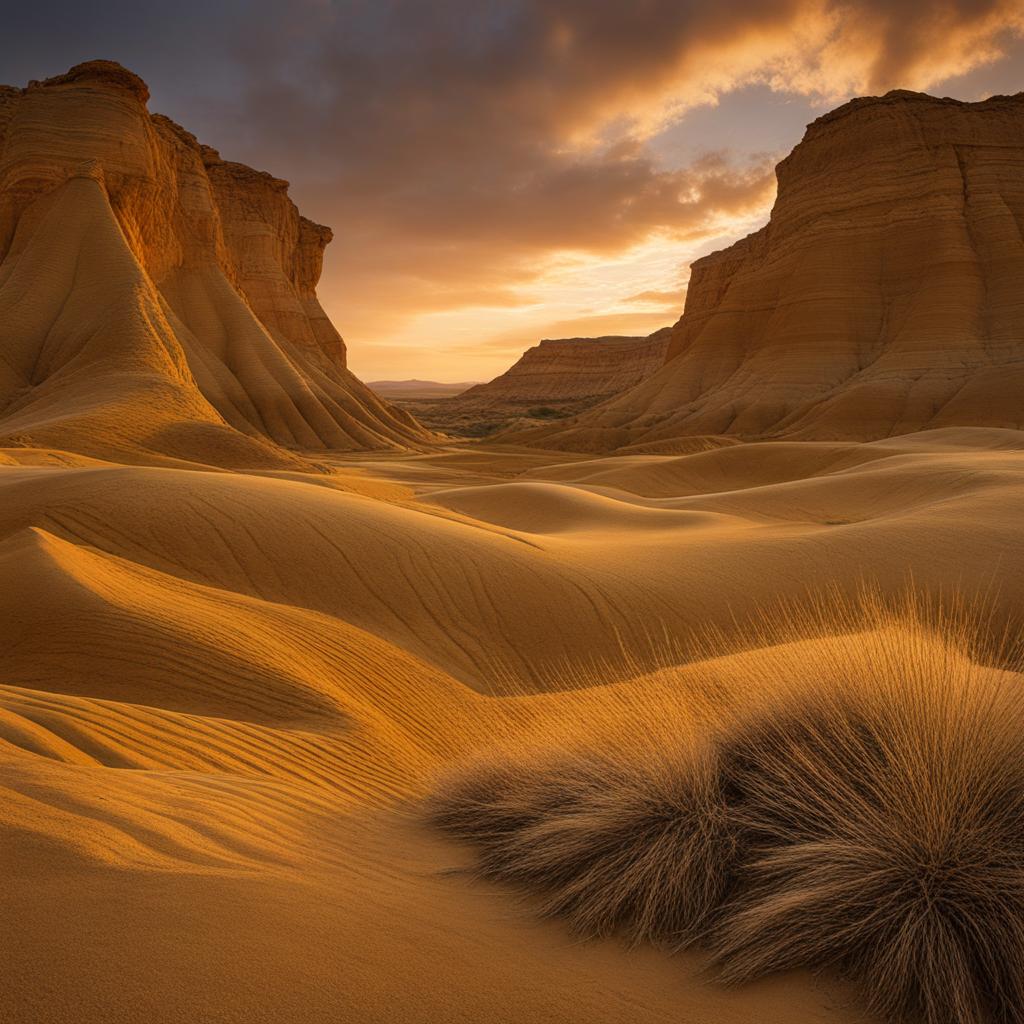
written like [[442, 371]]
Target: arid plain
[[253, 617]]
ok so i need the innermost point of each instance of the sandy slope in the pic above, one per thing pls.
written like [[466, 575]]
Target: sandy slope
[[223, 693]]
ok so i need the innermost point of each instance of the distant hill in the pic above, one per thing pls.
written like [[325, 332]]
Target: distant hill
[[418, 388], [573, 369], [557, 377]]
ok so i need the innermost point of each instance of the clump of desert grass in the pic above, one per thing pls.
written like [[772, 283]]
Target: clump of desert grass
[[613, 846], [853, 801]]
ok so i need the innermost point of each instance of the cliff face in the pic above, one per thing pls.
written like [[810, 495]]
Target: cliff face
[[275, 255], [156, 298], [572, 369], [552, 380], [885, 295]]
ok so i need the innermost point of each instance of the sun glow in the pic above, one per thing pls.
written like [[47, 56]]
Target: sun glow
[[575, 294]]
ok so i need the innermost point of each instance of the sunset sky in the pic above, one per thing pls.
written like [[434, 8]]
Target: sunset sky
[[496, 173]]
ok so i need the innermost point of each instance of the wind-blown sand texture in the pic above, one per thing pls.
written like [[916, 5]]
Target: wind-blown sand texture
[[225, 696]]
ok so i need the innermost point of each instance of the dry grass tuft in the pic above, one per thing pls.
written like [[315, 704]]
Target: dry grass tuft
[[856, 802], [884, 833], [614, 846]]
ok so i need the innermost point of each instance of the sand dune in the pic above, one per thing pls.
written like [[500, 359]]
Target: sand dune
[[224, 695]]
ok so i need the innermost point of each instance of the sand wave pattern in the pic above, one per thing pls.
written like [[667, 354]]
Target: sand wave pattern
[[225, 697]]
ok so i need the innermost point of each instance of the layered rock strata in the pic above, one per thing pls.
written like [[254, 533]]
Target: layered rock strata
[[553, 379], [573, 369], [884, 296], [157, 299]]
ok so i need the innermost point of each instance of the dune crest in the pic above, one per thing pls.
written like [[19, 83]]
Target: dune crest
[[157, 300]]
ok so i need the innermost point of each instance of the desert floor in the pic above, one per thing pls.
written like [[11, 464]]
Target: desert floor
[[224, 697]]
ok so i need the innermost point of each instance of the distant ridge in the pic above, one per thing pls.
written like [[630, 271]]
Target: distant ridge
[[564, 369], [555, 378], [419, 388]]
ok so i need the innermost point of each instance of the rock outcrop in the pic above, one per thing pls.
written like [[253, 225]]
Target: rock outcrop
[[555, 378], [573, 370], [885, 295], [156, 299]]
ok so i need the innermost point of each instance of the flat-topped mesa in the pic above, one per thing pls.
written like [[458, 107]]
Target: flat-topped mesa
[[217, 275], [885, 294], [108, 72], [557, 378], [572, 370]]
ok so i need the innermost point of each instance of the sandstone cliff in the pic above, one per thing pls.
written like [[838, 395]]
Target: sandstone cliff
[[572, 369], [885, 295], [557, 377], [157, 299]]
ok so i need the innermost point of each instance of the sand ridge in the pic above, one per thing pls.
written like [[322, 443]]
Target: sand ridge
[[224, 693]]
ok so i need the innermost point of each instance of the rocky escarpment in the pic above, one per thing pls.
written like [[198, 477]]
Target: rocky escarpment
[[276, 256], [157, 299], [573, 369], [555, 378], [885, 295]]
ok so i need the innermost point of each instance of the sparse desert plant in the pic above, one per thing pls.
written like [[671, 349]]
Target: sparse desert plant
[[615, 844], [857, 803], [882, 816]]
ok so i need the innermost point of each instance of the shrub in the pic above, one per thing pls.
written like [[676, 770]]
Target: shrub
[[860, 806], [635, 848]]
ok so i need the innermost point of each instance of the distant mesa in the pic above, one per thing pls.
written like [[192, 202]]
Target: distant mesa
[[157, 300], [418, 388], [551, 380], [884, 296]]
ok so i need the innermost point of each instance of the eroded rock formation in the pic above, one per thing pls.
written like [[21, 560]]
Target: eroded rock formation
[[554, 378], [885, 295], [155, 298], [573, 369]]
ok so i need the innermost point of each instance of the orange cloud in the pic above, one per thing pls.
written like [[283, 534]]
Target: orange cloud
[[671, 298]]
